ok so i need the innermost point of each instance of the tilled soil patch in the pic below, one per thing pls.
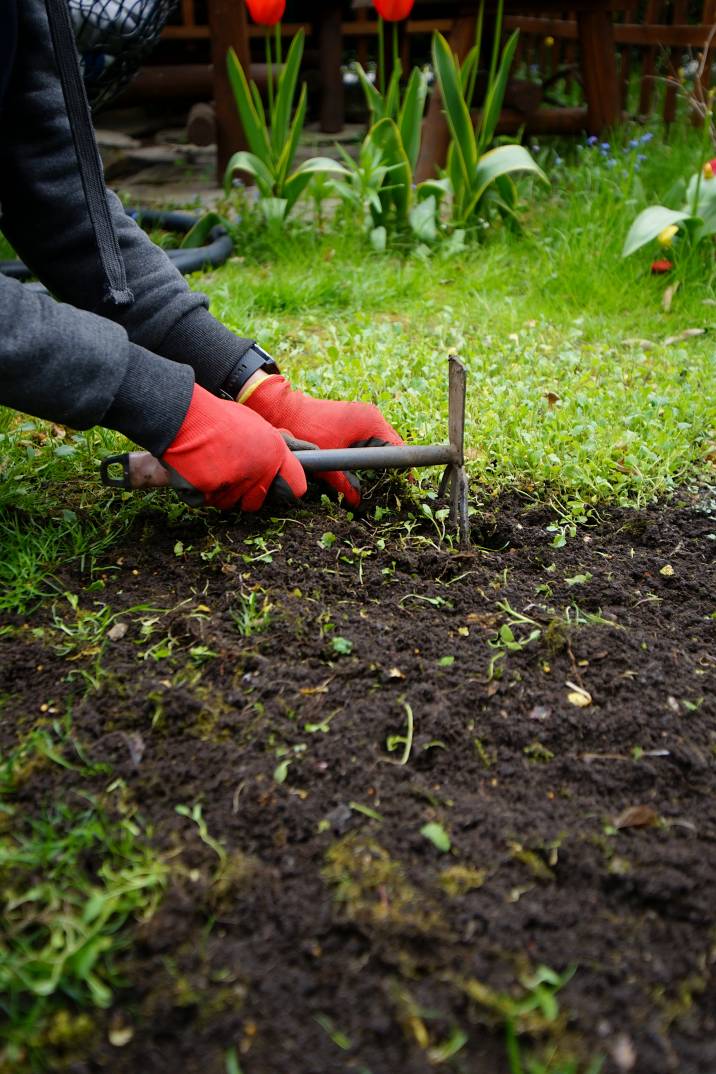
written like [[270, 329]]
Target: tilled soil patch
[[325, 688]]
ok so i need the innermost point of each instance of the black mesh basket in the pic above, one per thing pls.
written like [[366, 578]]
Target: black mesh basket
[[114, 37]]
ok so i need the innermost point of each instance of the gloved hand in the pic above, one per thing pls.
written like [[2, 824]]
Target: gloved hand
[[326, 423], [232, 455]]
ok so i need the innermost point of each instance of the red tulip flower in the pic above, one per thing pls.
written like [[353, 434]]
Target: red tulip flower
[[393, 10], [266, 12]]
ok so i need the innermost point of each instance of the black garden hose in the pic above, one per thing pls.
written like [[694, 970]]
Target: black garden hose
[[192, 259]]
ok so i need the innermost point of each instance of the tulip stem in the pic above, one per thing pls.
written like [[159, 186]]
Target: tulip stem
[[381, 55], [478, 47], [269, 75], [396, 58], [705, 142], [279, 52], [496, 44]]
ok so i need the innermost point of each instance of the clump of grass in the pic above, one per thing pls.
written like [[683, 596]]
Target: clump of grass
[[72, 879], [372, 887], [458, 880]]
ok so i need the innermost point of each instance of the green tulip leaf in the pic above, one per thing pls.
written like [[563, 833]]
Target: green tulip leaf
[[501, 161], [252, 165], [456, 111], [285, 94], [422, 219], [254, 127], [410, 120], [649, 224]]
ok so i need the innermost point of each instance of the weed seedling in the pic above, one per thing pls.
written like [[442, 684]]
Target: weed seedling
[[71, 879], [195, 814], [506, 641], [252, 615], [406, 740]]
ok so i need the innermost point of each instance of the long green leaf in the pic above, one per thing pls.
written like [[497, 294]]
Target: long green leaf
[[456, 112], [258, 104], [496, 95], [294, 187], [650, 223], [397, 186], [410, 119], [706, 222], [496, 38], [392, 97], [423, 219], [706, 191], [470, 90], [373, 98], [503, 160], [459, 182], [252, 165], [288, 151], [433, 188], [467, 69], [322, 165], [255, 131], [285, 94], [199, 233], [275, 210]]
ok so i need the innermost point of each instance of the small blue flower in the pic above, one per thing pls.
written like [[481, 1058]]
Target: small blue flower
[[604, 146], [633, 143], [611, 162], [558, 160], [641, 157], [592, 139], [646, 137]]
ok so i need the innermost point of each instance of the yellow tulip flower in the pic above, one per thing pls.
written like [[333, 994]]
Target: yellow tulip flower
[[665, 237]]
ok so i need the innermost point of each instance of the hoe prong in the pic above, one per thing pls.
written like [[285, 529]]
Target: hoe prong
[[455, 472]]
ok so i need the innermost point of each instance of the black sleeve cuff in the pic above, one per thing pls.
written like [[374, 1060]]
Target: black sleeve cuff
[[202, 342], [152, 400]]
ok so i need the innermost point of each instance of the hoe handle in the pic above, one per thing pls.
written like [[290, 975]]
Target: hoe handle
[[140, 470]]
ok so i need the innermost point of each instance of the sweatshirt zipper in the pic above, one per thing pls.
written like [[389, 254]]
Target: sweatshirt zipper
[[88, 158]]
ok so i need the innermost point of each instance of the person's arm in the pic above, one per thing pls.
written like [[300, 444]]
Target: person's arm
[[71, 366], [44, 215]]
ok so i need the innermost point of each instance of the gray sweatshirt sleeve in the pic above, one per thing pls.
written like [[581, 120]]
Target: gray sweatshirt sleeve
[[72, 366], [44, 215]]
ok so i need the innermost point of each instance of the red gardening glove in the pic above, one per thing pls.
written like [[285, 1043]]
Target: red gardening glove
[[326, 423], [232, 455]]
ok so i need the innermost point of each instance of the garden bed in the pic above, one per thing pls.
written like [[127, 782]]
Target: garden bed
[[325, 688]]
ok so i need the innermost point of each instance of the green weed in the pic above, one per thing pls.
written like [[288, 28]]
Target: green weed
[[72, 878]]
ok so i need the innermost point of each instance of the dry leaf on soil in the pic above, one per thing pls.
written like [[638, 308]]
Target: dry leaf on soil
[[578, 695], [681, 337], [637, 816]]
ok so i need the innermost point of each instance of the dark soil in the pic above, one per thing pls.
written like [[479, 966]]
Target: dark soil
[[337, 937]]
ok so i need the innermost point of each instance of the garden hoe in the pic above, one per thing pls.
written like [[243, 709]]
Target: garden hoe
[[140, 470]]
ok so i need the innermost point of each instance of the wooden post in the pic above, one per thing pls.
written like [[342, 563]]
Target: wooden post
[[330, 46], [680, 15], [708, 18], [653, 14], [599, 68], [228, 27]]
